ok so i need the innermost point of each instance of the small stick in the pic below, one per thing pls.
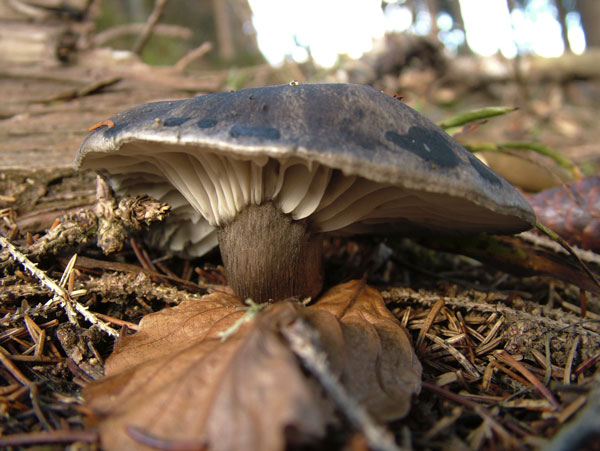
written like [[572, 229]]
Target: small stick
[[118, 31], [193, 55], [556, 237], [58, 436], [302, 341], [157, 12], [60, 294]]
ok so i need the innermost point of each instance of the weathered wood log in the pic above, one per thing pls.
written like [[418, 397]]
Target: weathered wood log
[[475, 71], [42, 10], [35, 44]]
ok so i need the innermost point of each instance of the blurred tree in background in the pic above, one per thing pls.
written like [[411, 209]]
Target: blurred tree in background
[[590, 16], [227, 24]]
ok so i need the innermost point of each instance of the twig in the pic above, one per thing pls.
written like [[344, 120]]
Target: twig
[[173, 31], [118, 322], [59, 436], [556, 237], [193, 55], [91, 88], [302, 340], [157, 12], [60, 294]]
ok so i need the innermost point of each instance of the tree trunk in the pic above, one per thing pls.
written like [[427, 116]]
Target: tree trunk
[[432, 6], [224, 32], [562, 19], [590, 18]]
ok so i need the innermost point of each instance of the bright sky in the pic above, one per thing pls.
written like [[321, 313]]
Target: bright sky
[[285, 28]]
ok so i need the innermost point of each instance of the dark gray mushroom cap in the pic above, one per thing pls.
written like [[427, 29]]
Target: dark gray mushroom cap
[[348, 157]]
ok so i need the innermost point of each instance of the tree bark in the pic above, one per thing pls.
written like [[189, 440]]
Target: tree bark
[[590, 18], [562, 19], [224, 32], [432, 6]]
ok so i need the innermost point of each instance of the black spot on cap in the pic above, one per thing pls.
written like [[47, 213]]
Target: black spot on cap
[[254, 132], [174, 121], [428, 145], [207, 122], [484, 171]]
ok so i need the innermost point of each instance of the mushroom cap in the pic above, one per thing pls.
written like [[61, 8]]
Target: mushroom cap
[[349, 157]]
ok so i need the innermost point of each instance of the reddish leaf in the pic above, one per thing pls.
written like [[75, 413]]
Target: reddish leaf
[[572, 211]]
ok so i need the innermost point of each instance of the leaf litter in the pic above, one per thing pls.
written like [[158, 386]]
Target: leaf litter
[[474, 395]]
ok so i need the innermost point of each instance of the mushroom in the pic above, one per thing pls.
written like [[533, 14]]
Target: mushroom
[[273, 169]]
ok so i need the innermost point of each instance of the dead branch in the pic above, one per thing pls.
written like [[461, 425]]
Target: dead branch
[[172, 31], [193, 55], [157, 12]]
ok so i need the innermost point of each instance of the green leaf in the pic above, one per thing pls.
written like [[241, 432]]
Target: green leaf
[[547, 151], [475, 115]]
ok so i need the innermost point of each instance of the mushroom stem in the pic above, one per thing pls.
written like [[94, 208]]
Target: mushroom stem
[[268, 256]]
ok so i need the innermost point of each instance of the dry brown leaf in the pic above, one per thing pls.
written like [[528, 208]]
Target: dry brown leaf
[[175, 384], [369, 348]]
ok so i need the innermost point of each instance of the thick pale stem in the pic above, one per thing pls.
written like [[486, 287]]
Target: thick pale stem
[[268, 256]]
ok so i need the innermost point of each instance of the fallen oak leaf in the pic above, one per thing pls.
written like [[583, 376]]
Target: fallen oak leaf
[[368, 348], [176, 382]]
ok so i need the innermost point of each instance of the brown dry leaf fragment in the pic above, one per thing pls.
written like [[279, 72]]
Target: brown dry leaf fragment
[[516, 256], [369, 348], [177, 384]]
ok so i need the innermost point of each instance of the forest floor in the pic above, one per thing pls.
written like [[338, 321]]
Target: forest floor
[[507, 360]]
